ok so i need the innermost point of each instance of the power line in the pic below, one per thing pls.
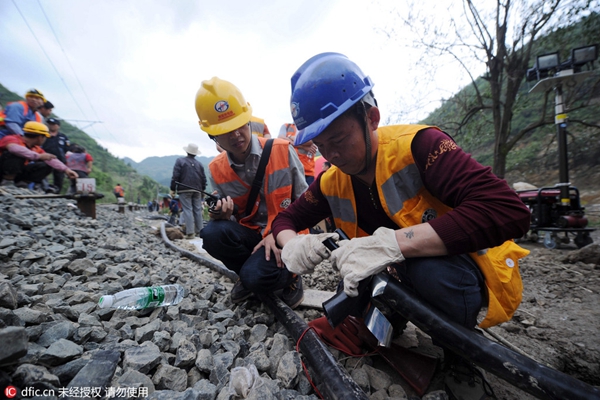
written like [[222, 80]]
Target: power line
[[48, 57], [74, 73], [90, 123], [54, 66]]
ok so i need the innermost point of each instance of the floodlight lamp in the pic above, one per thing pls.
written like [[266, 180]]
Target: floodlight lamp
[[584, 55], [531, 74], [547, 62]]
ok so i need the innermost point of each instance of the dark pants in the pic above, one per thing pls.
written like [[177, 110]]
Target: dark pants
[[57, 179], [232, 243], [453, 285], [12, 165]]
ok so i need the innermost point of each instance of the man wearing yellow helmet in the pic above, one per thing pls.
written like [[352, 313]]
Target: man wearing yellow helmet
[[19, 156], [258, 127], [19, 112], [239, 230]]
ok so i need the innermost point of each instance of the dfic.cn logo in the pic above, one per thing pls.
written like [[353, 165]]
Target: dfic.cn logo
[[10, 392]]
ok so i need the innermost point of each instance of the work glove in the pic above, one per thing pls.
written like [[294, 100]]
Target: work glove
[[359, 258], [304, 252]]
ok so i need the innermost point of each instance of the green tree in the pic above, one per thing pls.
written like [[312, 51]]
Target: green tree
[[147, 188], [503, 36]]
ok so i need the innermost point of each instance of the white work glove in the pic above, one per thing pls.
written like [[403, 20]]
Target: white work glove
[[304, 252], [359, 258]]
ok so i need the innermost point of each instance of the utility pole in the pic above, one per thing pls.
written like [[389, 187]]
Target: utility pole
[[560, 120], [558, 209], [130, 190]]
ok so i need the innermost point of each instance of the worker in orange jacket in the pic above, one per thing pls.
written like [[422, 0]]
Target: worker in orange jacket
[[118, 191], [306, 151], [19, 112], [22, 159], [239, 230]]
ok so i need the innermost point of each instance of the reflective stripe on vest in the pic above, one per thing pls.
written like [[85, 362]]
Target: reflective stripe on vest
[[277, 184], [257, 126], [400, 187], [399, 184], [407, 202], [305, 157], [37, 115], [290, 130]]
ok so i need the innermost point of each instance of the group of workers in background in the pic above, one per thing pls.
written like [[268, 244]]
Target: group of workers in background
[[32, 147]]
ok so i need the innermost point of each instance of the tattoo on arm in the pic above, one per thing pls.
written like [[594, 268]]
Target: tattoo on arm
[[410, 234]]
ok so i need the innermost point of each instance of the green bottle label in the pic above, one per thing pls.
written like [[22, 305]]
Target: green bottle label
[[154, 297]]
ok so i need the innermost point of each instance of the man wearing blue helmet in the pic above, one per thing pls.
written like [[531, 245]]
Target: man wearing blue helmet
[[412, 202]]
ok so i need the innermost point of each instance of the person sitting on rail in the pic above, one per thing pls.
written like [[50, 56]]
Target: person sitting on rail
[[22, 159], [239, 230], [80, 161]]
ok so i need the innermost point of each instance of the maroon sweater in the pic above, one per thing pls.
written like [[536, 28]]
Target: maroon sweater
[[486, 211]]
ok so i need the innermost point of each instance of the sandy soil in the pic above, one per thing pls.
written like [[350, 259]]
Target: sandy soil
[[558, 322]]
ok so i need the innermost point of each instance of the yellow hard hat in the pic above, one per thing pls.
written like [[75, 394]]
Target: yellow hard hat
[[36, 127], [221, 107], [35, 93]]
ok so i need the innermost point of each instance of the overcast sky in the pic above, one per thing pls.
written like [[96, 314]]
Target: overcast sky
[[136, 65]]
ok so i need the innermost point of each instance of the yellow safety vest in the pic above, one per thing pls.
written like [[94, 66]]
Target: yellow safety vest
[[407, 202], [257, 126]]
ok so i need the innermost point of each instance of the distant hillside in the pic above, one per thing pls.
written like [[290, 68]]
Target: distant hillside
[[161, 168], [535, 157], [107, 169]]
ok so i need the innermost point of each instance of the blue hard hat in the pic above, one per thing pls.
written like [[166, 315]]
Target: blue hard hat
[[323, 88]]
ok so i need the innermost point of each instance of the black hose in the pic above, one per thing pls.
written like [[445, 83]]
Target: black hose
[[199, 259], [332, 381], [528, 375]]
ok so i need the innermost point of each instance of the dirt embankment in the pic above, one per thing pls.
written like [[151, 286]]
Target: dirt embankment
[[558, 322]]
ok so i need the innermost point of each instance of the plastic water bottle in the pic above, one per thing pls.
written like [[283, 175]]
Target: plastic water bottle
[[144, 297]]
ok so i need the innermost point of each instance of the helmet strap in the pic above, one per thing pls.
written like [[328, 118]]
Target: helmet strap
[[362, 112]]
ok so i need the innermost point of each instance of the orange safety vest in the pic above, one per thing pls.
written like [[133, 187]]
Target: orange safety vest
[[306, 158], [38, 116], [258, 126], [119, 190], [407, 202], [18, 140], [277, 184]]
